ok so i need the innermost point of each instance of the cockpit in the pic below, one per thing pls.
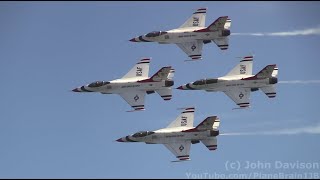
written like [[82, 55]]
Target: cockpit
[[205, 81], [155, 33], [98, 83], [142, 133]]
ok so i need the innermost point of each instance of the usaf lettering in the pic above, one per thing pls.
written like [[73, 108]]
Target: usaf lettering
[[139, 71]]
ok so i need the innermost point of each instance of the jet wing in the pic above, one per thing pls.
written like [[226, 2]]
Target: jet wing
[[211, 143], [270, 91], [180, 150], [240, 96], [134, 99], [192, 49], [222, 43]]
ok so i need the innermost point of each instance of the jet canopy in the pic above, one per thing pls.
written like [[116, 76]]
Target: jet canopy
[[98, 83], [142, 133], [155, 33], [205, 81]]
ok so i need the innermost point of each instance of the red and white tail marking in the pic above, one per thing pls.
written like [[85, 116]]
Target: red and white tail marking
[[185, 157], [244, 105], [212, 147], [247, 58], [144, 60], [200, 10]]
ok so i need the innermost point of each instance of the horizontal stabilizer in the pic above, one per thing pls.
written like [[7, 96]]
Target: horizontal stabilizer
[[270, 91], [211, 143], [222, 43], [166, 93]]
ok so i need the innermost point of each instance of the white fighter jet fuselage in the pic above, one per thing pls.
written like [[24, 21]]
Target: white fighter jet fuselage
[[180, 134], [222, 83], [170, 135], [182, 35], [120, 86], [133, 86], [192, 34], [239, 82]]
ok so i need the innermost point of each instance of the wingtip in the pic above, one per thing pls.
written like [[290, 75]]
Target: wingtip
[[202, 9], [134, 110], [182, 160]]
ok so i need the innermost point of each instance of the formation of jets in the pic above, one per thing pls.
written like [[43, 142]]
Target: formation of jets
[[190, 37]]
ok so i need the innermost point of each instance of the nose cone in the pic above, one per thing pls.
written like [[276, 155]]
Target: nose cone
[[75, 90], [120, 140], [180, 87], [133, 40]]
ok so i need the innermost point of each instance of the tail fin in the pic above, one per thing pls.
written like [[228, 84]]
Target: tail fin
[[171, 74], [197, 19], [185, 119], [162, 74], [228, 24], [266, 72], [141, 69], [275, 72], [243, 68], [209, 123], [218, 24]]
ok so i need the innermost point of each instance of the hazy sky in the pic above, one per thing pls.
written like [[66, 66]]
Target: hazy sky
[[49, 48]]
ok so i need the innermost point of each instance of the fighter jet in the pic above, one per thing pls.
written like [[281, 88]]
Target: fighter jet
[[192, 34], [133, 86], [180, 134], [239, 82]]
